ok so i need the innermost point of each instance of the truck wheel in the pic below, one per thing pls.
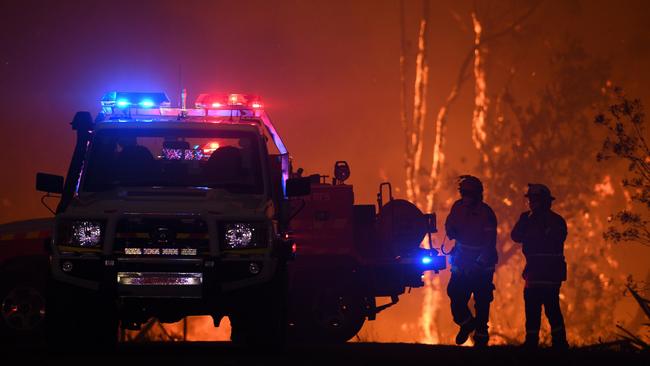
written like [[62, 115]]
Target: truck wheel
[[335, 317], [79, 322], [23, 309], [261, 319]]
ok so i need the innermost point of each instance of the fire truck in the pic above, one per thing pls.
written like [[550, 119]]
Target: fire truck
[[167, 212]]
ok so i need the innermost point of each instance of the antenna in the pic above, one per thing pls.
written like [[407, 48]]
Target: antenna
[[180, 84], [183, 100]]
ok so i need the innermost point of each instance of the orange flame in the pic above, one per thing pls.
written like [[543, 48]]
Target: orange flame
[[480, 99], [419, 111]]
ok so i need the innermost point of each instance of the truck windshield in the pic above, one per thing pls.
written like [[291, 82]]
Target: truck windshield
[[174, 158]]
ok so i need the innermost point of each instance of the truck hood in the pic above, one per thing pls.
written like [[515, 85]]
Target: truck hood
[[171, 201]]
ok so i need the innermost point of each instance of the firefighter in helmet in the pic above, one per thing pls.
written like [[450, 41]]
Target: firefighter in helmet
[[472, 223], [542, 233]]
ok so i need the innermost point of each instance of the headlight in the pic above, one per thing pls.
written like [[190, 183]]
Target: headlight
[[243, 235], [81, 233]]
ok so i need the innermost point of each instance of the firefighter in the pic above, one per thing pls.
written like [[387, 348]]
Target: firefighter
[[542, 233], [472, 223]]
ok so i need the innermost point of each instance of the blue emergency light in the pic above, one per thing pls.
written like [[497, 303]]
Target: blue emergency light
[[426, 260], [135, 100]]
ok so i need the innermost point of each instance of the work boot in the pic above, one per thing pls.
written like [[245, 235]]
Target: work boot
[[531, 342], [481, 339], [559, 340], [465, 330]]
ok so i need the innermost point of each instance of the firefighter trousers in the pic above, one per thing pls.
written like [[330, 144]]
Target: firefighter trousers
[[461, 287], [549, 297]]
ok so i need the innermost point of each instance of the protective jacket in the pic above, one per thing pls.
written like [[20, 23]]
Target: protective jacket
[[474, 227], [542, 235]]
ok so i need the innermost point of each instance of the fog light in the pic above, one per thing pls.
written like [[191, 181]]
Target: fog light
[[253, 268], [66, 266]]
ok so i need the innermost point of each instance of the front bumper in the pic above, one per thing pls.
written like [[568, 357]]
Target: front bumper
[[160, 284], [197, 278]]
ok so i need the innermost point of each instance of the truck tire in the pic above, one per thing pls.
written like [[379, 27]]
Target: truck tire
[[22, 301], [260, 319], [79, 322], [335, 316]]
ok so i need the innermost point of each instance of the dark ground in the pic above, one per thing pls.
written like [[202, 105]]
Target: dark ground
[[222, 353]]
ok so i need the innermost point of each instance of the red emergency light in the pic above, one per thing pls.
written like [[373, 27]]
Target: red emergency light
[[227, 101]]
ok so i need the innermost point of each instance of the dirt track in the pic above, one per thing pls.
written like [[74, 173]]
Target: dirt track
[[217, 353]]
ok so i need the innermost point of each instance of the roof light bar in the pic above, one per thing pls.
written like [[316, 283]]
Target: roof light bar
[[150, 106]]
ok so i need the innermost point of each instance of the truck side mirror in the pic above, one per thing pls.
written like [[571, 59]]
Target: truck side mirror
[[297, 187], [49, 183]]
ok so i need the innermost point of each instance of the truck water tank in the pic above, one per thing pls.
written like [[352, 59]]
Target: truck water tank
[[401, 227]]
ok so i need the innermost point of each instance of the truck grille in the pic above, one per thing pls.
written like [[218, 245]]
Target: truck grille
[[161, 237]]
